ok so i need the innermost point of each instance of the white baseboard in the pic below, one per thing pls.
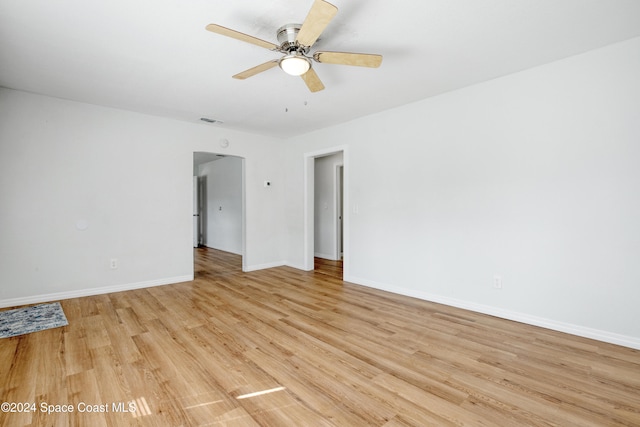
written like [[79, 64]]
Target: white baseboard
[[223, 249], [582, 331], [256, 267], [331, 257], [297, 266], [36, 299]]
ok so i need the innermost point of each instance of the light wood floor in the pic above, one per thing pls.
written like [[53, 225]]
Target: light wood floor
[[330, 353]]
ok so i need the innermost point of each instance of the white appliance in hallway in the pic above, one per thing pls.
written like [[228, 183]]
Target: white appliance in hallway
[[196, 213]]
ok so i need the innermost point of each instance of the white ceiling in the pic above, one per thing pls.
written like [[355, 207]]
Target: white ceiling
[[156, 57]]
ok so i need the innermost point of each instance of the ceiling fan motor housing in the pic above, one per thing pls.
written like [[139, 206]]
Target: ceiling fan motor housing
[[287, 35]]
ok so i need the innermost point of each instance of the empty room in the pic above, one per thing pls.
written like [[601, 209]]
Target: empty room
[[320, 213]]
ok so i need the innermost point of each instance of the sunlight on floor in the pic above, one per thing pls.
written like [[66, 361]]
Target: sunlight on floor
[[260, 393]]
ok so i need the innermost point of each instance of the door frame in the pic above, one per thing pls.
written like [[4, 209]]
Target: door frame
[[339, 214], [309, 212]]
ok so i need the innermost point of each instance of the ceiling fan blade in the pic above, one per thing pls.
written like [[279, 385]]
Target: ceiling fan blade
[[345, 58], [317, 19], [312, 80], [240, 36], [255, 70]]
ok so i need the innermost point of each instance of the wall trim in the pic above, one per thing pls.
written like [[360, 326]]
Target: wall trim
[[296, 266], [264, 266], [331, 257], [224, 250], [581, 331], [36, 299]]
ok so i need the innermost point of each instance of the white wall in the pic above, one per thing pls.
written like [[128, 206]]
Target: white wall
[[128, 177], [533, 176], [325, 233], [222, 222]]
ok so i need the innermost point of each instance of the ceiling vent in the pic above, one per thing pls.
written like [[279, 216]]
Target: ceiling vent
[[208, 120]]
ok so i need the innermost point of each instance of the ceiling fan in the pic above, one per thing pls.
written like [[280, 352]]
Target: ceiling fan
[[296, 41]]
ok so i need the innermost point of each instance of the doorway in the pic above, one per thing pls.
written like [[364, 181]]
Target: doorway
[[219, 203], [326, 207]]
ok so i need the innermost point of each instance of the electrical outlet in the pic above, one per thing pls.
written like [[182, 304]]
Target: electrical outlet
[[113, 264], [497, 282]]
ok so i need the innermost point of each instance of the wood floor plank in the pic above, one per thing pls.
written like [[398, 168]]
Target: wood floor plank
[[283, 347]]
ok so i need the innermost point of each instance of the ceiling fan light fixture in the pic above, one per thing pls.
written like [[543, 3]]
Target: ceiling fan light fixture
[[295, 64]]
